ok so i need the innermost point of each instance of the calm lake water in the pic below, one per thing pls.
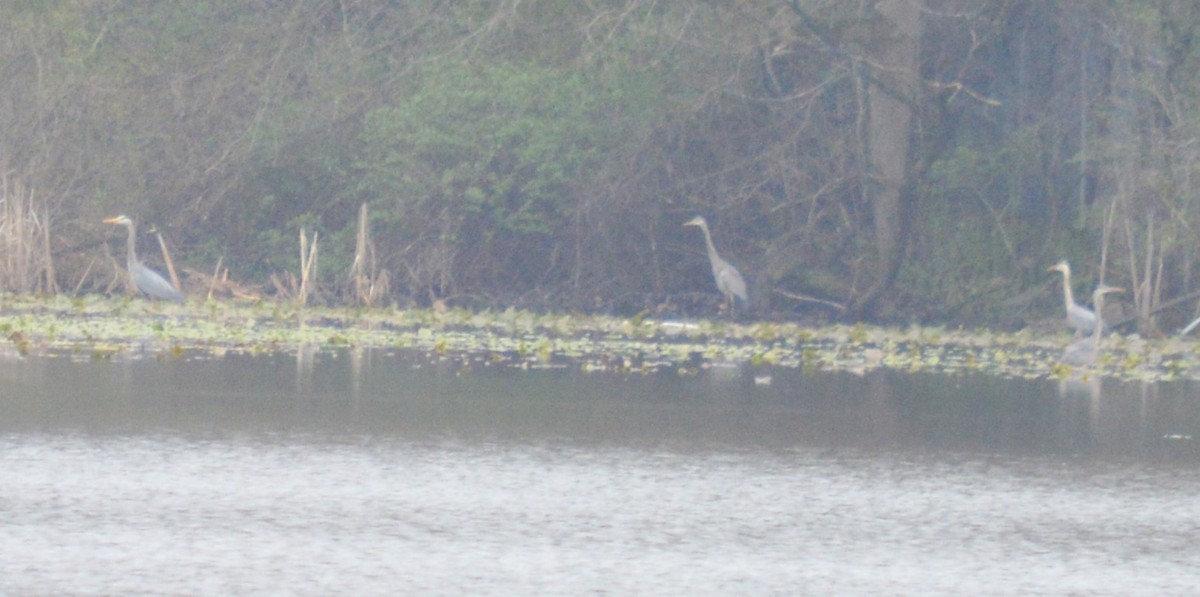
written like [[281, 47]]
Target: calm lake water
[[382, 473]]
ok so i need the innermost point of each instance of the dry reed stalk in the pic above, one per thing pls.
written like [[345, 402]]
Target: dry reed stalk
[[219, 282], [285, 290], [84, 276], [1105, 237], [27, 265], [369, 283], [117, 278], [1138, 279], [167, 259], [51, 284], [212, 284], [1145, 280], [308, 265], [358, 269], [1145, 289]]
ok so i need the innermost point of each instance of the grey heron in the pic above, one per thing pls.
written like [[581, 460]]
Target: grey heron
[[729, 281], [1079, 318], [144, 279], [1082, 353]]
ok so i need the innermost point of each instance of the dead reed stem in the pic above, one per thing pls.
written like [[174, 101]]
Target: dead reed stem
[[84, 276], [369, 284], [358, 270], [308, 266], [167, 259], [212, 284], [27, 265], [1146, 278], [51, 284]]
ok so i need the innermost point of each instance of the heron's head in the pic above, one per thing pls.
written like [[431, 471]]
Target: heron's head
[[696, 221], [1061, 266], [1104, 289], [121, 219]]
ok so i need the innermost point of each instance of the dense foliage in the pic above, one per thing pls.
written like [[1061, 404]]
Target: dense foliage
[[908, 159]]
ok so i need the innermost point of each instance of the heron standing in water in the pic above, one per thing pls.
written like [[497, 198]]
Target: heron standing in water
[[729, 281], [1079, 318], [1083, 353], [144, 279]]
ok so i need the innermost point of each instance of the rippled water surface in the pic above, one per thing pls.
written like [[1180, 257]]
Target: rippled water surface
[[382, 474]]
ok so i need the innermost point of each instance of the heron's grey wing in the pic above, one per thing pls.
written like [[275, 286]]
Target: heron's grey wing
[[1081, 318], [1080, 353], [730, 281], [154, 285]]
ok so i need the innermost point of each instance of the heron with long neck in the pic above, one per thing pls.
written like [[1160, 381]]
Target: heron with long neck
[[1083, 353], [729, 281], [1079, 318], [143, 278]]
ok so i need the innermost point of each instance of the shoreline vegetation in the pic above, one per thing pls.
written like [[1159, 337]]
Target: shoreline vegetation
[[887, 162], [98, 328]]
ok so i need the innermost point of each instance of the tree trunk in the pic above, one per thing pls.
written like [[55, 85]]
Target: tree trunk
[[890, 102]]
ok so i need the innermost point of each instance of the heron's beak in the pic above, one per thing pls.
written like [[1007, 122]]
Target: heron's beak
[[113, 220]]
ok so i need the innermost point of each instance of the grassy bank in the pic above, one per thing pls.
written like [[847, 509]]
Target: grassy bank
[[95, 327]]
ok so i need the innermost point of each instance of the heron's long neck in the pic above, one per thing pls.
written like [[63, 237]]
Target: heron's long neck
[[131, 249], [1099, 306], [712, 249], [1068, 298]]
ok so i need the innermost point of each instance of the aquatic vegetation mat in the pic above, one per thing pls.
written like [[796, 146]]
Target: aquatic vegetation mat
[[96, 327]]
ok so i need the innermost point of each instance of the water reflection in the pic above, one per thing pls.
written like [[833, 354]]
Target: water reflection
[[306, 358], [374, 472], [396, 393], [1139, 419]]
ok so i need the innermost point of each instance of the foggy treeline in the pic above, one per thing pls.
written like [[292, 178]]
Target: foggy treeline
[[911, 160]]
